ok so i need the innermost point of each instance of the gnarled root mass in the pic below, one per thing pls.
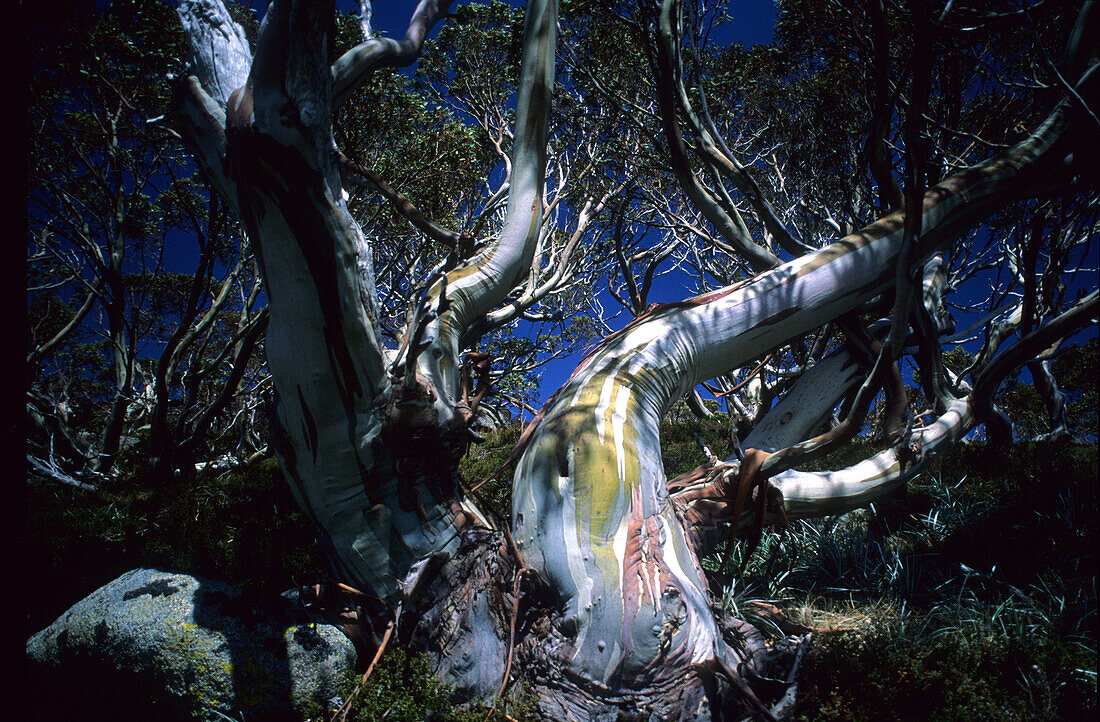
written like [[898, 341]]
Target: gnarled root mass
[[481, 616]]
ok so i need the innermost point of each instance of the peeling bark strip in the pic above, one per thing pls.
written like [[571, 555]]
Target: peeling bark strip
[[593, 464], [262, 132]]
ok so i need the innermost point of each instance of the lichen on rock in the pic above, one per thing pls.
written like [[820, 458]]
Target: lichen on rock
[[160, 643]]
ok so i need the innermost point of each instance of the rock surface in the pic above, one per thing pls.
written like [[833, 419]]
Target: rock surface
[[160, 645]]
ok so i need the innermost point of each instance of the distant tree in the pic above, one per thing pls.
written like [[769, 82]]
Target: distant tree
[[1073, 410], [122, 353]]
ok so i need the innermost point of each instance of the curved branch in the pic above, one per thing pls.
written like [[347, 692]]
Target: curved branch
[[731, 228], [40, 352], [812, 398], [875, 149], [813, 494], [352, 172], [484, 281], [929, 326], [591, 511], [721, 157], [244, 346], [1024, 351], [562, 270], [883, 373], [351, 69], [704, 495]]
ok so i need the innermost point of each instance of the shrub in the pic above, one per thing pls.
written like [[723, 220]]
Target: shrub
[[401, 688]]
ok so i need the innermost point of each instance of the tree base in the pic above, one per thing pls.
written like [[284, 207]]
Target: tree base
[[477, 622]]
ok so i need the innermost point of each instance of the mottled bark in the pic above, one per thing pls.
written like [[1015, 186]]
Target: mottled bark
[[352, 428], [600, 603], [592, 513]]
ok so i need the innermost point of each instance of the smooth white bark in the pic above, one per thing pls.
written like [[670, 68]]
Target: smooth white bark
[[219, 49], [806, 404], [591, 511], [466, 294], [814, 494]]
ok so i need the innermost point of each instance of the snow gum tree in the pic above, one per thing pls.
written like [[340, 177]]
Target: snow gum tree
[[593, 597], [131, 359]]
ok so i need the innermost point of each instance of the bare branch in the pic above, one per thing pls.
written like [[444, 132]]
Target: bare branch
[[352, 68]]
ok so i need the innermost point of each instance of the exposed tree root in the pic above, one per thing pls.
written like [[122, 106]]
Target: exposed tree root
[[482, 640], [342, 713]]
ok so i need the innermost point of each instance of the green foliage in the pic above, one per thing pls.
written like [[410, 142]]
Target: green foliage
[[401, 688], [974, 597], [971, 597], [1025, 407], [981, 594], [680, 435], [1075, 370], [107, 186], [886, 673], [479, 46], [483, 460], [241, 526]]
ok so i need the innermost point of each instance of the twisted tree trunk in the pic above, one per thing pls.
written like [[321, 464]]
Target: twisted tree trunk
[[592, 512], [600, 605]]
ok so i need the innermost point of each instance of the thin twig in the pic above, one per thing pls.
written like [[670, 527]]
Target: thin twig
[[511, 636], [750, 377], [342, 714]]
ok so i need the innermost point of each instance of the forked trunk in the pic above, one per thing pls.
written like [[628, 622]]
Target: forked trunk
[[600, 606]]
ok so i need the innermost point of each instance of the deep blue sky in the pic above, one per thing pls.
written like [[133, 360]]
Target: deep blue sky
[[753, 22]]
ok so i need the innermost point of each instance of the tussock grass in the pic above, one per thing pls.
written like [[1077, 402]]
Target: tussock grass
[[973, 596], [484, 460]]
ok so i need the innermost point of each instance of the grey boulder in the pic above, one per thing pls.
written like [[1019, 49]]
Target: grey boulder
[[154, 644]]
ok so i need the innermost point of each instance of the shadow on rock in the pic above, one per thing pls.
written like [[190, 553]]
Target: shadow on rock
[[161, 645]]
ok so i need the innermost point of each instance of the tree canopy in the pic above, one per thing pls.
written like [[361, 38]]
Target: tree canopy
[[887, 192]]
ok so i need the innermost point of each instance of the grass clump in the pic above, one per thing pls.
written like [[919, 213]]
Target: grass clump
[[484, 460], [950, 664], [972, 596]]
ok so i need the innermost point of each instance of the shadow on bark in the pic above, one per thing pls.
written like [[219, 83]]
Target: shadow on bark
[[464, 621]]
